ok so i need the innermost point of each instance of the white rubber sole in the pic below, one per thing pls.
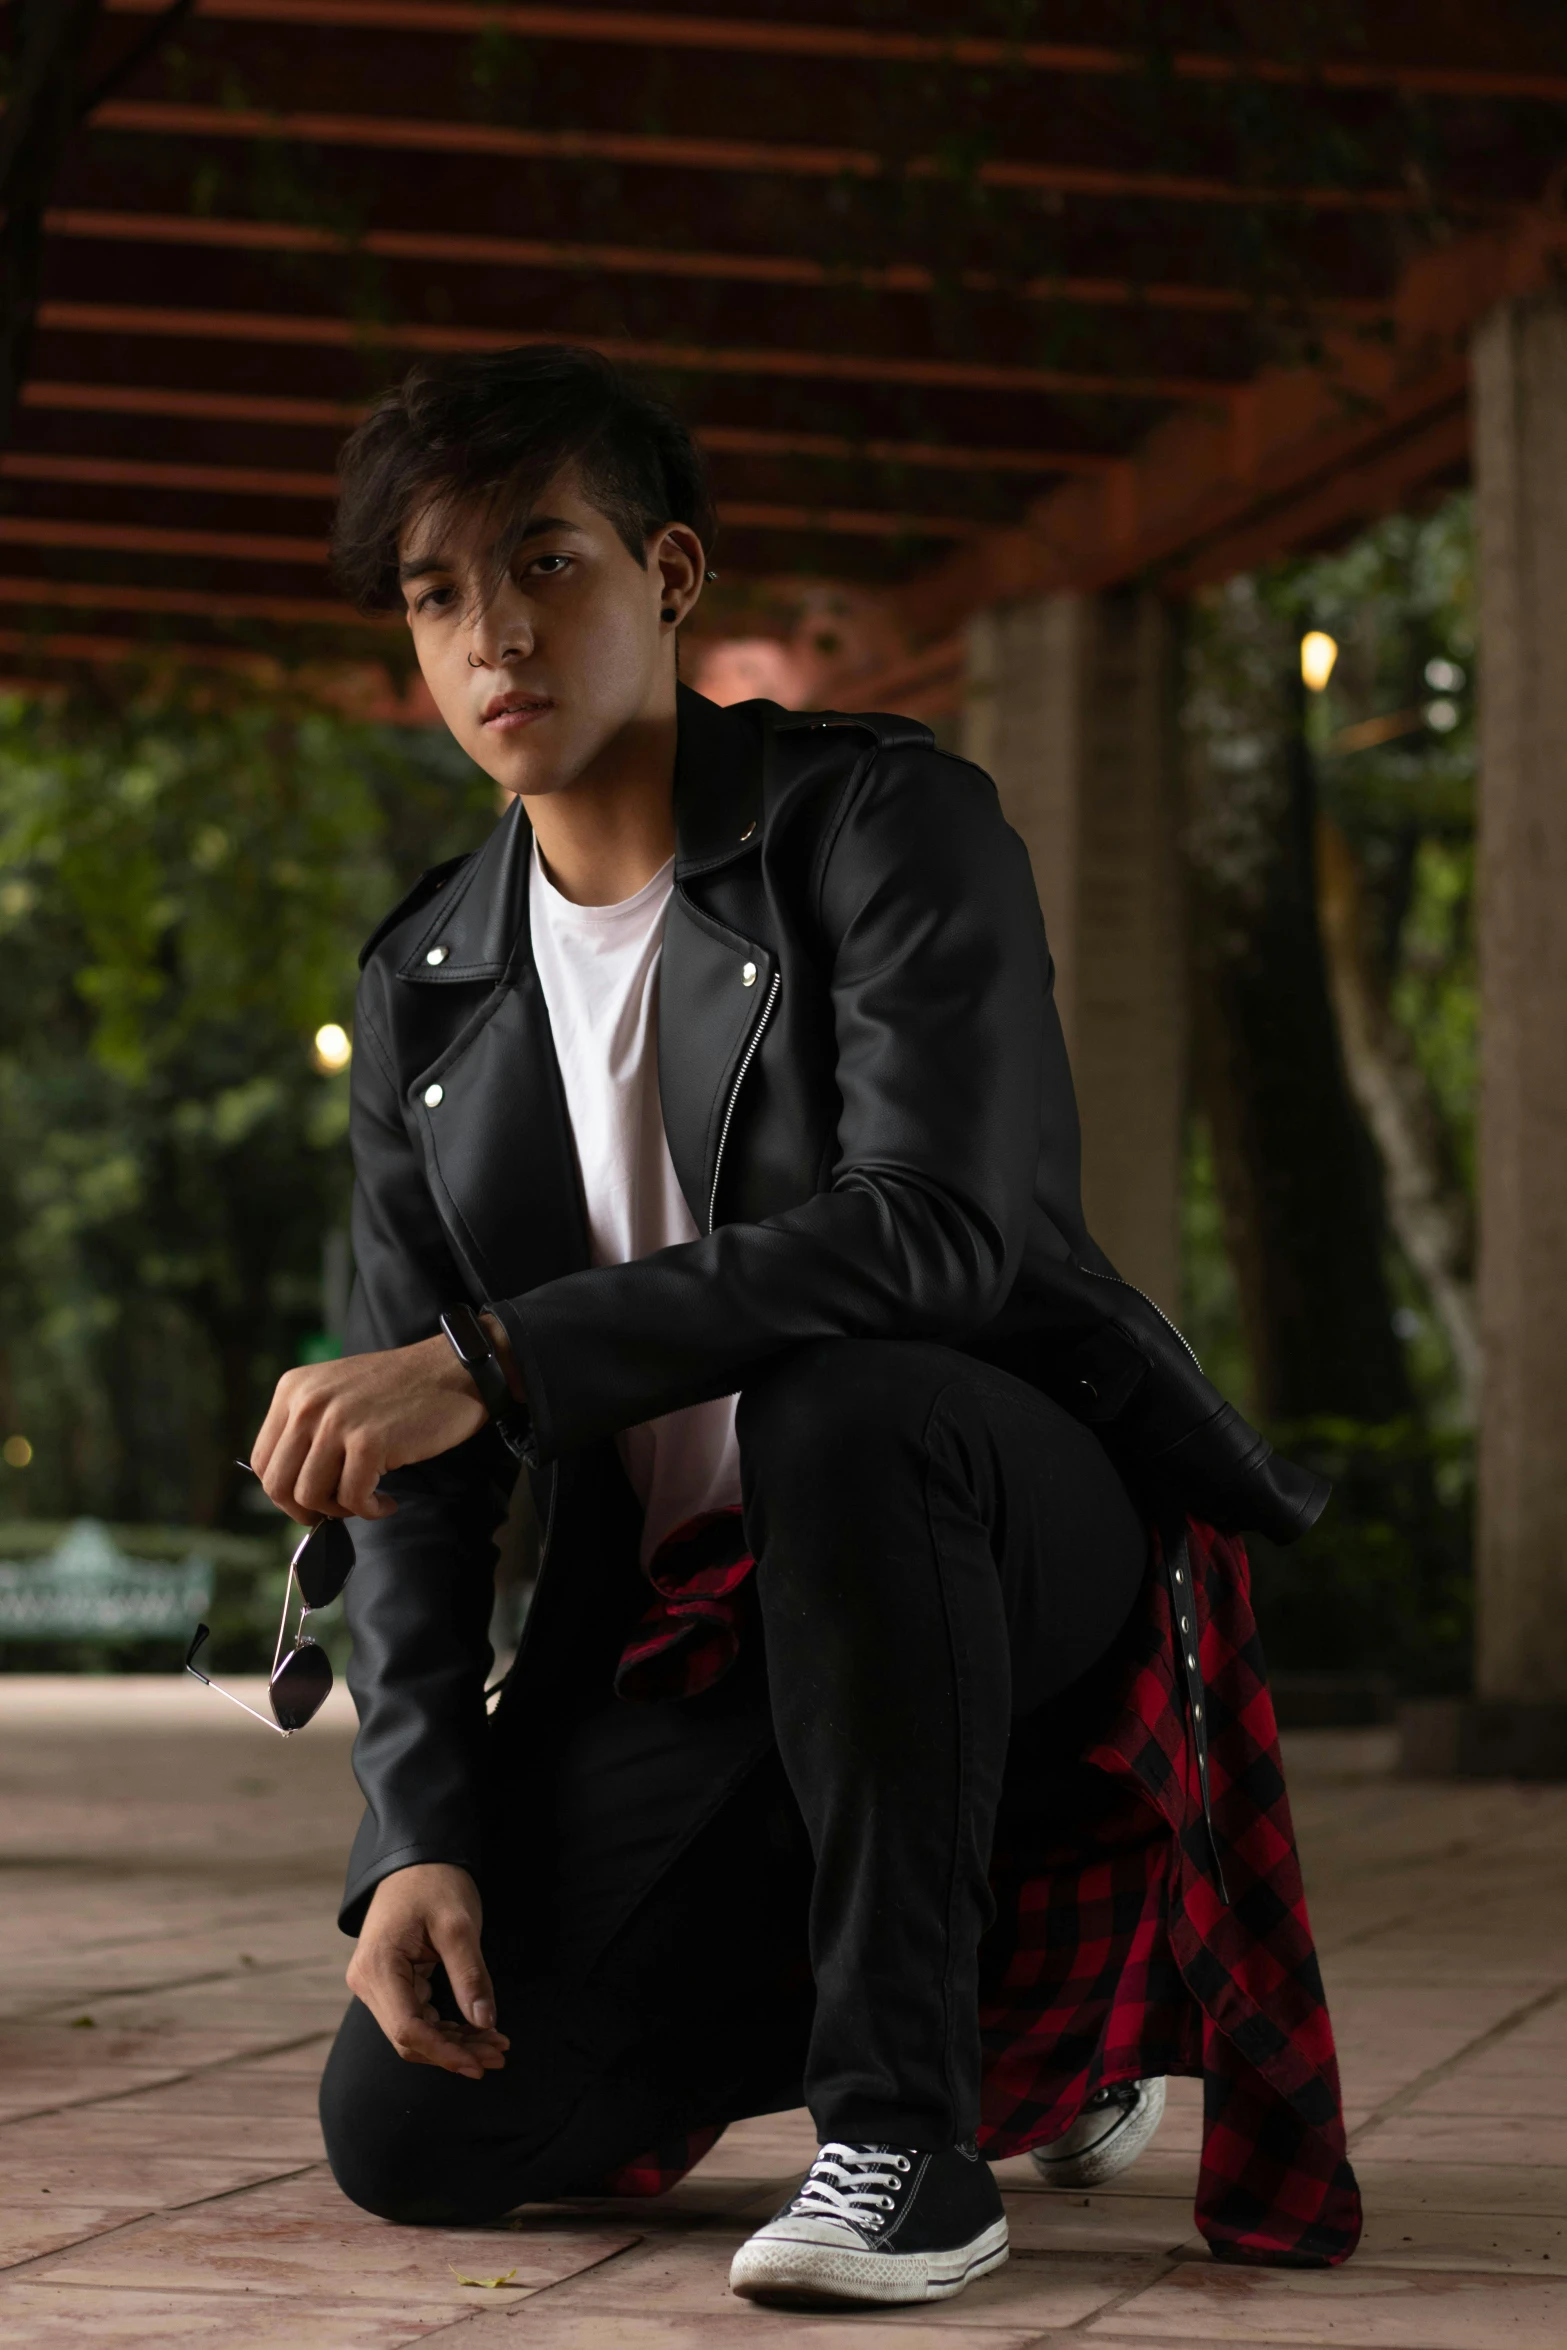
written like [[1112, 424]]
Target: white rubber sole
[[1069, 2164], [777, 2270]]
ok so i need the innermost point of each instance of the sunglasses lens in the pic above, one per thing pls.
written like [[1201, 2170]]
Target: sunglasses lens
[[325, 1563], [301, 1685]]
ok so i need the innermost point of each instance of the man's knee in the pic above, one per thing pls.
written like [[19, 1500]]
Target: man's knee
[[393, 2146], [839, 1403]]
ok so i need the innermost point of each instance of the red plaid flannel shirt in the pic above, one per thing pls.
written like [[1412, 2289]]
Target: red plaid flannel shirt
[[1119, 1959]]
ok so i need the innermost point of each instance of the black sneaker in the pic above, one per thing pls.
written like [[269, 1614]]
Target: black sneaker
[[878, 2223]]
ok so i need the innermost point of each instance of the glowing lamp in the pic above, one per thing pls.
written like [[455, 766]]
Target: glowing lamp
[[333, 1050], [1318, 652]]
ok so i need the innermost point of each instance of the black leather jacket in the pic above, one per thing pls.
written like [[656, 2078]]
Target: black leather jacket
[[870, 1111]]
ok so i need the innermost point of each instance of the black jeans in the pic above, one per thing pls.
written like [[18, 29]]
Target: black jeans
[[939, 1550]]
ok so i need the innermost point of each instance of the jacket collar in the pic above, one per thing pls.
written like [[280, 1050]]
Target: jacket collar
[[720, 758], [478, 922]]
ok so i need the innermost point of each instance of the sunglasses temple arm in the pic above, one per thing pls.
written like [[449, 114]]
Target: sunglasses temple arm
[[288, 1601], [219, 1691]]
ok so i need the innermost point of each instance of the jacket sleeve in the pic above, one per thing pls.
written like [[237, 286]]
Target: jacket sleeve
[[940, 995], [419, 1599]]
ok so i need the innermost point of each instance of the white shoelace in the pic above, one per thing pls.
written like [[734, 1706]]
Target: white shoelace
[[851, 2182]]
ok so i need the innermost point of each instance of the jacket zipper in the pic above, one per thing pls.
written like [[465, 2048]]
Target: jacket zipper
[[1148, 1301], [757, 1034]]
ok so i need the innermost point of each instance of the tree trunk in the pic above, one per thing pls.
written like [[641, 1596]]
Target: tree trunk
[[1427, 1204], [1298, 1178]]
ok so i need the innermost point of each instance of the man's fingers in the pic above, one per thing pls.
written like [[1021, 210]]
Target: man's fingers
[[456, 1938], [357, 1480], [417, 2042]]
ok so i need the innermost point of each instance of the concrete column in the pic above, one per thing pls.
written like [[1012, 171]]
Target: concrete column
[[1071, 707], [1520, 414]]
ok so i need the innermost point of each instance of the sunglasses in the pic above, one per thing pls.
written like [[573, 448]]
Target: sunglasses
[[301, 1676]]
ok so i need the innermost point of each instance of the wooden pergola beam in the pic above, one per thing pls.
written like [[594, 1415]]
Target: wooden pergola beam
[[267, 326], [101, 399], [415, 135], [764, 38], [256, 481], [243, 481], [87, 595], [265, 236], [726, 439], [1302, 452]]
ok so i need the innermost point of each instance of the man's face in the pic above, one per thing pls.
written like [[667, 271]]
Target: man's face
[[565, 660]]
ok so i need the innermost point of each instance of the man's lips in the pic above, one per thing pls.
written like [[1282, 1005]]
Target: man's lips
[[506, 712]]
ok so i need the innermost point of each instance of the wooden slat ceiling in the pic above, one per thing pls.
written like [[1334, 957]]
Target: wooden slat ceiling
[[912, 273]]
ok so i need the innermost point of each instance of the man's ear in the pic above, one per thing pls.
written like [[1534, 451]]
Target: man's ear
[[676, 555]]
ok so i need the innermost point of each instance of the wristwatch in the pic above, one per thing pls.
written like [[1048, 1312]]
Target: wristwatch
[[471, 1344]]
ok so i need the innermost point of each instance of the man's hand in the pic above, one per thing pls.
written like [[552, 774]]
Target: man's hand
[[334, 1429], [419, 1918]]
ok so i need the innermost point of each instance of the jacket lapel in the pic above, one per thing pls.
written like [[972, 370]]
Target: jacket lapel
[[714, 983], [497, 1139]]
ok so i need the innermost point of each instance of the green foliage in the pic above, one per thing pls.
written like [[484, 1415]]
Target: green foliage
[[1382, 1583], [183, 886]]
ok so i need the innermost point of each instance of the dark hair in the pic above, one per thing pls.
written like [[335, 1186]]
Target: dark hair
[[495, 429]]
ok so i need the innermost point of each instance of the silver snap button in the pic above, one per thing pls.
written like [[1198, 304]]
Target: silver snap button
[[748, 975], [1197, 1713], [434, 1095], [1178, 1577], [750, 828], [1185, 1624], [1191, 1660], [437, 954]]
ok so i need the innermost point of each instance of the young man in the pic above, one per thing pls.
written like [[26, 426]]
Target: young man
[[719, 1106]]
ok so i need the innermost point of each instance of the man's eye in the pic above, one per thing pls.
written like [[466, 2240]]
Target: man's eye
[[551, 565]]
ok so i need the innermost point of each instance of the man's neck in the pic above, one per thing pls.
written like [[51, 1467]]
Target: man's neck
[[605, 836]]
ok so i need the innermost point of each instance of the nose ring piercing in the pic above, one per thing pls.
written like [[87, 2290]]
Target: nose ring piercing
[[473, 664]]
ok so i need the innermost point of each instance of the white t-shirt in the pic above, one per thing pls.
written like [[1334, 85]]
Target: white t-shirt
[[598, 967]]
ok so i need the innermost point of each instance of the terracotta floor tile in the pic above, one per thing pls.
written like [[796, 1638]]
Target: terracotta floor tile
[[1533, 2243], [1511, 2189], [49, 2222], [551, 2324], [1393, 2311], [279, 2243], [230, 2089], [1154, 2174], [80, 2174], [690, 2274], [93, 2048], [1153, 2226], [129, 2128], [55, 2317], [1537, 2094], [308, 2057], [1471, 2139], [196, 1925], [36, 2090]]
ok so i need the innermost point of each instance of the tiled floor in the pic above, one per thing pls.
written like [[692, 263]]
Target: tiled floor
[[172, 1974]]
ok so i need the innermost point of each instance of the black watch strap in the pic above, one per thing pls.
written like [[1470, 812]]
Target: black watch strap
[[471, 1344]]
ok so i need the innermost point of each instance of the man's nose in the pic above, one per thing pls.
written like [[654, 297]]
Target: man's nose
[[493, 641]]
